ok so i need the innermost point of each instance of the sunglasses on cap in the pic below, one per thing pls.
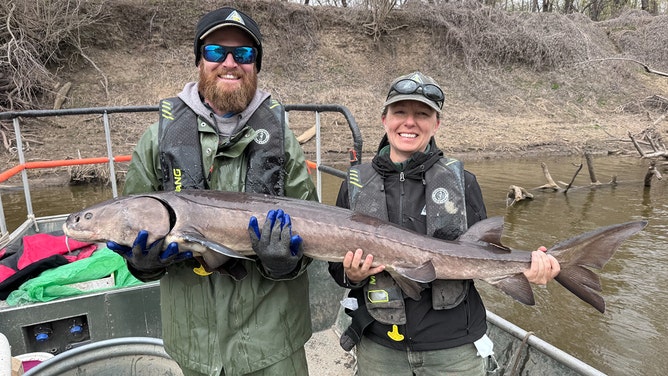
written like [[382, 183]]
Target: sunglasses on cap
[[217, 54], [408, 86]]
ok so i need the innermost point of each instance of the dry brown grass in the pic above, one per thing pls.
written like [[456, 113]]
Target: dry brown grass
[[515, 83]]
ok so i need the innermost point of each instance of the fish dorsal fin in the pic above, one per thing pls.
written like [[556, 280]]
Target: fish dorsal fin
[[517, 286], [488, 230]]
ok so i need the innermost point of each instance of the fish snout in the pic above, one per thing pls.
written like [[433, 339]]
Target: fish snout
[[75, 218]]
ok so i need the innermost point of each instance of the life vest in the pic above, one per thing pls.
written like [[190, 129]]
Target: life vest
[[181, 150], [445, 212]]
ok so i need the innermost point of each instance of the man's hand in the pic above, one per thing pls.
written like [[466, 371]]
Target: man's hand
[[149, 258], [543, 268], [356, 269], [278, 250]]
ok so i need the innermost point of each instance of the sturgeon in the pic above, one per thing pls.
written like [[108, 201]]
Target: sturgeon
[[214, 226]]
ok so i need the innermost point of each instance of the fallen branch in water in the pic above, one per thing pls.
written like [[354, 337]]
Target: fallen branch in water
[[569, 185], [551, 185], [652, 171], [516, 194]]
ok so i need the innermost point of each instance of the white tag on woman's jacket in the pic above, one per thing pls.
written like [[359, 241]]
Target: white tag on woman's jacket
[[350, 303], [485, 346]]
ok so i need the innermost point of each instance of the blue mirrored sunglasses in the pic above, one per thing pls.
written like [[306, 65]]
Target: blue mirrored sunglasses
[[217, 54], [408, 86]]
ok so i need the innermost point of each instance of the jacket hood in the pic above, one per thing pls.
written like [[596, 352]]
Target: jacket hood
[[227, 126], [190, 96], [413, 168]]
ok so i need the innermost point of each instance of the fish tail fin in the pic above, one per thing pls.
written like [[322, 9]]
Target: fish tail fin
[[590, 250]]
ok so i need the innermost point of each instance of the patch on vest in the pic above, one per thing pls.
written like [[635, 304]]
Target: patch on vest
[[261, 136], [440, 196]]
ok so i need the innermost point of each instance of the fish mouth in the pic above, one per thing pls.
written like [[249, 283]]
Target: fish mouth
[[72, 233], [73, 230]]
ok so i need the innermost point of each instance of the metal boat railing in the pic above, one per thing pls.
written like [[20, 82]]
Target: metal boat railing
[[515, 352], [111, 160], [528, 340]]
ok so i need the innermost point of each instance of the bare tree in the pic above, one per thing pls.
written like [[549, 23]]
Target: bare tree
[[569, 6], [380, 11], [36, 33]]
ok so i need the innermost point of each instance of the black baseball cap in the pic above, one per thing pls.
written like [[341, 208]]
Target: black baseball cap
[[223, 17]]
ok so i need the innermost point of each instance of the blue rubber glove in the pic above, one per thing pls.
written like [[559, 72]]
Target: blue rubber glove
[[149, 258], [278, 250]]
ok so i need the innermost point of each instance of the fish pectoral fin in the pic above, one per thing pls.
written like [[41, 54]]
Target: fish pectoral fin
[[219, 248], [215, 247], [517, 286], [410, 278], [424, 273], [410, 288]]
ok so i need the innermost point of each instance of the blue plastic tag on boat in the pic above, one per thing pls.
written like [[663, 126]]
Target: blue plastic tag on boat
[[485, 346]]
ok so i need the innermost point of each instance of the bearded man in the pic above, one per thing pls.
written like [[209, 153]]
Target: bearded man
[[223, 133]]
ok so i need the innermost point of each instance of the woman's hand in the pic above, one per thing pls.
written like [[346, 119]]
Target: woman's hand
[[359, 267], [543, 268]]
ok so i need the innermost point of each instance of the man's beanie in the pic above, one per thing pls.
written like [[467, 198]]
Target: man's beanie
[[216, 19]]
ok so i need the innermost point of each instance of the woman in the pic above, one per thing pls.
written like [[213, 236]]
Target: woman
[[412, 184]]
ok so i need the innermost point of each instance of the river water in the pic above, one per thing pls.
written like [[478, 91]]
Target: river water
[[628, 339]]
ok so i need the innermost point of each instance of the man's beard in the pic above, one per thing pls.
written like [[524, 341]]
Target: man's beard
[[223, 99]]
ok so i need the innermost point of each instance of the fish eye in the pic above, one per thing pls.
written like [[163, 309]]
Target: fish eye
[[88, 215]]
